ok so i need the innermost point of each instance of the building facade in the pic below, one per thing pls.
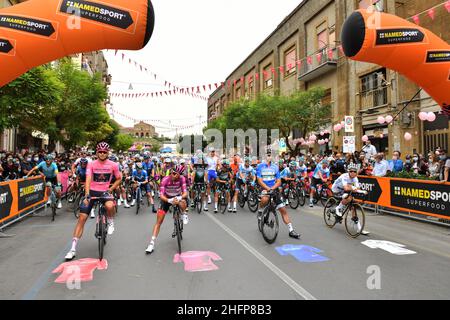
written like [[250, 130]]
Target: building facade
[[306, 46], [140, 130]]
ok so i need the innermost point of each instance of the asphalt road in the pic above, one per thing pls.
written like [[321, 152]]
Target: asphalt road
[[249, 269]]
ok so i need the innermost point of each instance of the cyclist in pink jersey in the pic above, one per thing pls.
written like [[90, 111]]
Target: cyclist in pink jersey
[[99, 174], [173, 192]]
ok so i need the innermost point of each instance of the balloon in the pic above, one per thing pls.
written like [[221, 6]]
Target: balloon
[[365, 138], [431, 116], [313, 138], [389, 119], [381, 135], [408, 136], [381, 119], [423, 116], [327, 140], [322, 133], [342, 124], [326, 132]]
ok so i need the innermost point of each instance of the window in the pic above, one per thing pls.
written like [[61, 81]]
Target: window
[[379, 5], [322, 36], [373, 89], [289, 61], [268, 77]]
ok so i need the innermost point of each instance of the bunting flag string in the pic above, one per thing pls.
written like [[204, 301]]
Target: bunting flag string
[[164, 126], [328, 52], [155, 94]]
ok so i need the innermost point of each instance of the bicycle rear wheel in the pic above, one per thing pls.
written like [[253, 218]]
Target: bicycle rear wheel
[[241, 198], [76, 206], [329, 212], [355, 220], [269, 225]]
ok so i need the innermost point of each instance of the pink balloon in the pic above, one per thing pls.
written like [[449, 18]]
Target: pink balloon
[[365, 138], [327, 140], [381, 135], [408, 136], [322, 133], [423, 116], [326, 132], [389, 119], [342, 124], [381, 119], [431, 116], [313, 138]]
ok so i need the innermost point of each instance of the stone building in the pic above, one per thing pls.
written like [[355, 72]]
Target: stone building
[[140, 130], [363, 90]]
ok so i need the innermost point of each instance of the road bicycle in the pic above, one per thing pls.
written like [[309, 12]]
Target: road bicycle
[[199, 189], [301, 191], [101, 223], [223, 190], [322, 194], [268, 223], [290, 193], [178, 226], [353, 214]]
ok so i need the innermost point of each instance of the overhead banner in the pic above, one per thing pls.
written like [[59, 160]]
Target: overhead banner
[[397, 44], [36, 32]]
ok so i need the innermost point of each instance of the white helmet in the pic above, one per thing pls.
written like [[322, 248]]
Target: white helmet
[[182, 161]]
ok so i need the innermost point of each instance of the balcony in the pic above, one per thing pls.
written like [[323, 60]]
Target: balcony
[[327, 63]]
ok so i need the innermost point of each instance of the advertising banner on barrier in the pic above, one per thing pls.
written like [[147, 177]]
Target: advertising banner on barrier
[[6, 200], [30, 192], [17, 196]]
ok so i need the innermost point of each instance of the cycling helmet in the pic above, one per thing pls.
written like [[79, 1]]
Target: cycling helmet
[[146, 157], [178, 169], [167, 160], [325, 162], [103, 146], [175, 162], [84, 161], [49, 158], [292, 164], [182, 161], [113, 158], [225, 161], [352, 167], [129, 162], [154, 158], [246, 159], [139, 166]]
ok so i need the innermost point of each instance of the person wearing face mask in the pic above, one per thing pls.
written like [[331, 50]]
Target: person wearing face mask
[[381, 166], [26, 165], [434, 166], [418, 165], [444, 173], [396, 164]]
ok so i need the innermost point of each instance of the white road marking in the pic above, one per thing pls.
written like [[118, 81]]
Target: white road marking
[[277, 271]]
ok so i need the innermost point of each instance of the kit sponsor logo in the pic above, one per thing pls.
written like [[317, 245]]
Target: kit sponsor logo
[[398, 36], [34, 26]]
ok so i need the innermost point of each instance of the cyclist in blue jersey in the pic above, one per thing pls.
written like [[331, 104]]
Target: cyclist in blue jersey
[[149, 167], [268, 175], [140, 179], [246, 173], [320, 176], [50, 171]]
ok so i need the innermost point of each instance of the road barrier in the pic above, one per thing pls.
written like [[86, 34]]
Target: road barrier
[[19, 196], [422, 197]]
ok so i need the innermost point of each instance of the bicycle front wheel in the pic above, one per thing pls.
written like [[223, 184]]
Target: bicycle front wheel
[[355, 220], [301, 197], [269, 225], [293, 199], [329, 212], [199, 204], [223, 203], [138, 201], [253, 202], [178, 231], [101, 236]]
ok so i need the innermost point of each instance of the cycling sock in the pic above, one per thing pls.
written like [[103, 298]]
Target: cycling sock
[[109, 220], [290, 227], [74, 244], [340, 206], [153, 240], [234, 204], [215, 205]]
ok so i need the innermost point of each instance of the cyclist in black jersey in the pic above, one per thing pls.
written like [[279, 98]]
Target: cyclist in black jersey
[[200, 176]]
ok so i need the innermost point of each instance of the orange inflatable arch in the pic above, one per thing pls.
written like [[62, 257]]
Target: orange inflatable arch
[[39, 31], [392, 42]]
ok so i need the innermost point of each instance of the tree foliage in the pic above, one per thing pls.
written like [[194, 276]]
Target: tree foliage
[[302, 110]]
